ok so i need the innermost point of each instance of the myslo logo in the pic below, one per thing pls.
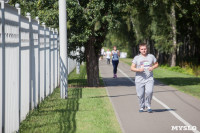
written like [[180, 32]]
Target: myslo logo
[[184, 128]]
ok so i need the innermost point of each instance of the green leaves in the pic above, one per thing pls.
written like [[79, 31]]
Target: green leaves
[[129, 22]]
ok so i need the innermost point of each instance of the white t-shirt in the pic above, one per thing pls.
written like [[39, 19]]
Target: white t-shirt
[[102, 51], [144, 62], [108, 53]]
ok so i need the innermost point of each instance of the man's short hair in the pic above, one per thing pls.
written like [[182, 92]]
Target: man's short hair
[[142, 44]]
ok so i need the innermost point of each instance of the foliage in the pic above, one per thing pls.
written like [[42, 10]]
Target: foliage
[[126, 24], [152, 23], [87, 20], [46, 10], [26, 6]]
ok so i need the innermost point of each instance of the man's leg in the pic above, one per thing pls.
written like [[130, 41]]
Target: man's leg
[[140, 93], [148, 93]]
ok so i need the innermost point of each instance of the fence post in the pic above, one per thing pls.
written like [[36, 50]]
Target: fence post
[[78, 60], [17, 6], [28, 15], [37, 18], [3, 64], [50, 86], [44, 59], [53, 59], [58, 58], [57, 50]]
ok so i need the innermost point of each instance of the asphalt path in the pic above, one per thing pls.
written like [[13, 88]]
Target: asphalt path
[[173, 111]]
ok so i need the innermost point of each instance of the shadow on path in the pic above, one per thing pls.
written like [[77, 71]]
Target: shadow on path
[[162, 110], [131, 94]]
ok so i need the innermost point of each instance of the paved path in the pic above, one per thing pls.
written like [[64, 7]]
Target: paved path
[[170, 107]]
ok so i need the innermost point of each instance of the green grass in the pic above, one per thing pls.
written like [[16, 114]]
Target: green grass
[[87, 110], [126, 60], [187, 83]]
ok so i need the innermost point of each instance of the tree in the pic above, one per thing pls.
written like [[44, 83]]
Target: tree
[[170, 28], [173, 23], [26, 6], [89, 22]]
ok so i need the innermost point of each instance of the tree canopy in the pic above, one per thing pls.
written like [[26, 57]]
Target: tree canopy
[[170, 28]]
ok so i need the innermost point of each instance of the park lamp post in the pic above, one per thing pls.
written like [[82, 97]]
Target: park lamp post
[[63, 49]]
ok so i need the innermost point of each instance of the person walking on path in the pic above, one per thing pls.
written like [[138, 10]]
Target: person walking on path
[[144, 64], [108, 54], [115, 60], [102, 54]]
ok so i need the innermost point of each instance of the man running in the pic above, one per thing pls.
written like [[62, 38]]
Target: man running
[[115, 60], [144, 64]]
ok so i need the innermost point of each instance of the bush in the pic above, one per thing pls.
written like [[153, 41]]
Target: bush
[[195, 70]]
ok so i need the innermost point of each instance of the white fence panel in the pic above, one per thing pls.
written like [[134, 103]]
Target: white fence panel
[[71, 63], [52, 61], [35, 60], [25, 67], [29, 66], [48, 65], [1, 72], [56, 59], [11, 69], [42, 62]]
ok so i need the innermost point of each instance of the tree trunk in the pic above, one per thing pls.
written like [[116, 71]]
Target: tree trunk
[[136, 32], [134, 51], [92, 64], [148, 45], [173, 23]]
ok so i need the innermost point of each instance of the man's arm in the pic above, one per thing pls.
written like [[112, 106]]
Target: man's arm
[[154, 66], [133, 68]]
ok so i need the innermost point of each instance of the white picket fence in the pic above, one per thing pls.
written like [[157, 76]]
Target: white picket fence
[[29, 65]]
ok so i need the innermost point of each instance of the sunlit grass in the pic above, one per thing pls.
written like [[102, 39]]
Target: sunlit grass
[[87, 110], [184, 82]]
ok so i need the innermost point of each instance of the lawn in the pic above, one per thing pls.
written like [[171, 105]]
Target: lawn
[[87, 110], [189, 84]]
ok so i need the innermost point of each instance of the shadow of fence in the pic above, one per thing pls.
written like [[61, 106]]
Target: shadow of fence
[[68, 115]]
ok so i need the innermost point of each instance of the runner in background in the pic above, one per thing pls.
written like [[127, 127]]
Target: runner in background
[[115, 60], [108, 54], [144, 64], [102, 53]]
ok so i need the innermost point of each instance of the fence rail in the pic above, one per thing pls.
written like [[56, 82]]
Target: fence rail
[[29, 65]]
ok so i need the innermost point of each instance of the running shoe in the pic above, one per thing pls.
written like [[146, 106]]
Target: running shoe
[[141, 110], [149, 110]]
